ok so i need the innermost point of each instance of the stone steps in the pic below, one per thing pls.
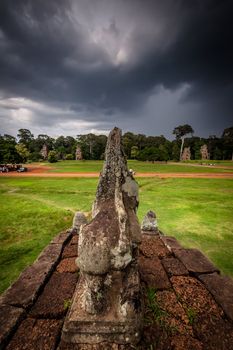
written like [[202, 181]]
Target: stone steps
[[188, 303]]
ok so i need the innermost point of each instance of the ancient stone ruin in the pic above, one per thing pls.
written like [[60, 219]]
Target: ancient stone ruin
[[204, 152], [187, 302], [186, 155], [78, 153], [149, 223], [107, 302], [44, 151]]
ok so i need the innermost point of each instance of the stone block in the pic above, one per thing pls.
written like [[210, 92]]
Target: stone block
[[24, 291], [67, 265], [36, 334], [174, 267], [214, 332], [74, 239], [182, 342], [194, 296], [195, 261], [10, 317], [114, 324], [173, 314], [171, 242], [101, 346], [152, 246], [56, 296], [62, 238], [221, 287], [70, 251], [51, 253], [153, 273]]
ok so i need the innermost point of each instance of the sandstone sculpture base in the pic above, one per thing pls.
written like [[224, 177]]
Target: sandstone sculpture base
[[121, 322]]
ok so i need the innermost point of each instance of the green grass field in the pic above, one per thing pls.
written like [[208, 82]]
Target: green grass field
[[198, 212], [141, 167]]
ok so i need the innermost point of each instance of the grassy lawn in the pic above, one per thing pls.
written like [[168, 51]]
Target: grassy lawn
[[142, 167], [33, 210]]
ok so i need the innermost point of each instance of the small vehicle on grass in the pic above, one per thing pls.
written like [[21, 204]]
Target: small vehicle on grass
[[22, 170]]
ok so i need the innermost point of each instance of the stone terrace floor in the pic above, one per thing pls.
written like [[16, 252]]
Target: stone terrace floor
[[188, 304]]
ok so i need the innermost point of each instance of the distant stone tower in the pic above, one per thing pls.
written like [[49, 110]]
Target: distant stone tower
[[204, 152], [44, 151], [78, 154], [186, 155]]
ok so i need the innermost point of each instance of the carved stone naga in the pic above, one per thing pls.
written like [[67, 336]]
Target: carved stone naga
[[107, 302]]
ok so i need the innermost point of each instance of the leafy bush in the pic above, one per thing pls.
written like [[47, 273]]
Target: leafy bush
[[52, 157], [69, 156]]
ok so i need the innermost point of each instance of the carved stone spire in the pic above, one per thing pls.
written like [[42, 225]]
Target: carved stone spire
[[109, 286]]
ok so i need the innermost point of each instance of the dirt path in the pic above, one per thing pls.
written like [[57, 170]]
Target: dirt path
[[213, 166], [35, 173]]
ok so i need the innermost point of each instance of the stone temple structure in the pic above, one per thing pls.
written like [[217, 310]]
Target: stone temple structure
[[204, 152], [186, 155], [107, 302], [44, 151], [78, 153]]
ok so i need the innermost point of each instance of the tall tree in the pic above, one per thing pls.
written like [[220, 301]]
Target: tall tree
[[228, 142], [25, 136], [8, 153], [22, 151], [181, 131]]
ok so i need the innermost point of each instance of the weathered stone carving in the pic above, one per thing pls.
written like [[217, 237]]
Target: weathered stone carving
[[79, 220], [186, 155], [78, 153], [107, 303], [204, 152], [149, 223]]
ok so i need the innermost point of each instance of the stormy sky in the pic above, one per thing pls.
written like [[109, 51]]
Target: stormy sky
[[76, 66]]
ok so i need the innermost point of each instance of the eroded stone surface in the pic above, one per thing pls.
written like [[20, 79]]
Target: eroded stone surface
[[79, 220], [56, 297], [51, 253], [10, 316], [182, 342], [149, 223], [153, 246], [194, 295], [24, 291], [171, 242], [153, 273], [74, 239], [214, 332], [67, 265], [101, 346], [70, 251], [62, 238], [106, 305], [174, 267], [195, 261], [205, 316], [221, 287], [174, 315], [36, 334]]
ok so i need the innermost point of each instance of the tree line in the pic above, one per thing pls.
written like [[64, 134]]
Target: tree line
[[25, 147]]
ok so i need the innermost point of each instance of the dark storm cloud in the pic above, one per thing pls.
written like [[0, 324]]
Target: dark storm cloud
[[105, 58]]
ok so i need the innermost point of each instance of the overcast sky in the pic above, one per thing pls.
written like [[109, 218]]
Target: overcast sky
[[76, 66]]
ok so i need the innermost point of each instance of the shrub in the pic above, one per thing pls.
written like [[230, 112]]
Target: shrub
[[52, 157], [69, 156]]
